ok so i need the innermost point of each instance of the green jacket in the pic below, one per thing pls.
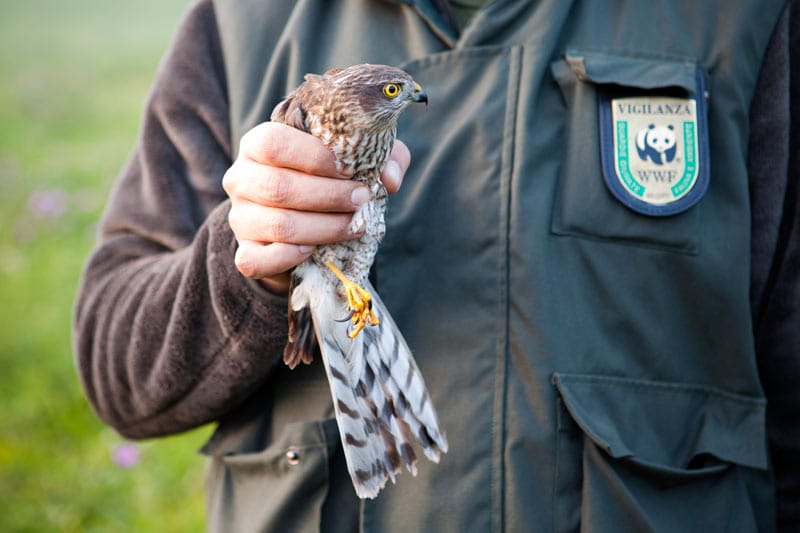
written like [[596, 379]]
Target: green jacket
[[592, 365], [575, 285]]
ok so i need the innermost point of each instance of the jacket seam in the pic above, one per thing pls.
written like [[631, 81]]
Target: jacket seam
[[501, 371], [658, 387]]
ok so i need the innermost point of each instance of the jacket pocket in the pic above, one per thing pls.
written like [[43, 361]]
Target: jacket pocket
[[584, 205], [280, 488], [639, 455]]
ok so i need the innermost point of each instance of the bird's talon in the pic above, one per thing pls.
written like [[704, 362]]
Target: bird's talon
[[359, 301], [347, 318]]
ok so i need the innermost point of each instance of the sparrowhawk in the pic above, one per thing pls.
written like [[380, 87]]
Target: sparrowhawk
[[379, 396]]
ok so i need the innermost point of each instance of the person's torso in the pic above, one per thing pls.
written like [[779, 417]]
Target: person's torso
[[589, 350]]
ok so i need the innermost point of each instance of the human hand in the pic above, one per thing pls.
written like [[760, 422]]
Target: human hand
[[287, 196]]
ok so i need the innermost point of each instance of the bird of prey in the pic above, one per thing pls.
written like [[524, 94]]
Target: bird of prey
[[379, 396]]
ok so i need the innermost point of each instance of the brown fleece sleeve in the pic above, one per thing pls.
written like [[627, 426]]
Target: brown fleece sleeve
[[168, 335], [774, 161]]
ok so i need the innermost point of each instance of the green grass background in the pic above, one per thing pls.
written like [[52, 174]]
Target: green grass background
[[73, 79]]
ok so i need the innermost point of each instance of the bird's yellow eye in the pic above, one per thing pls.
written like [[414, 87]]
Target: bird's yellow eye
[[390, 90]]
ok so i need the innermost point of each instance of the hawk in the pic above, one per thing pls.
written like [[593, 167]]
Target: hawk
[[379, 396]]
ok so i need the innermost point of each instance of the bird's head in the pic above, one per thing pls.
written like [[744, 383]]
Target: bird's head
[[381, 92]]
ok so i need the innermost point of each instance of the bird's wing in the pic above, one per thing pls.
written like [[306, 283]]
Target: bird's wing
[[290, 111]]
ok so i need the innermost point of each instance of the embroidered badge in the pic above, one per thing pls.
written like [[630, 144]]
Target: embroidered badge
[[654, 151]]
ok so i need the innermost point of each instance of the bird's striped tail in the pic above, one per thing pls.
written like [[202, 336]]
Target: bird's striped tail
[[381, 402]]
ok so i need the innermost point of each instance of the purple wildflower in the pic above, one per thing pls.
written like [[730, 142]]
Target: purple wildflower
[[49, 204], [126, 455]]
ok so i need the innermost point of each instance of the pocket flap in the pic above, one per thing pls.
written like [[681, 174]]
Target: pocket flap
[[630, 71], [663, 423]]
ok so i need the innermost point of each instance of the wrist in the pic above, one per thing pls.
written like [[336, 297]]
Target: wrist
[[275, 287]]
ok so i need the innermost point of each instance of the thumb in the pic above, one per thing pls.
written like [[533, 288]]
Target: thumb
[[396, 167]]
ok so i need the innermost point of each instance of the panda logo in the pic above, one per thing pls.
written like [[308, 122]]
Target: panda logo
[[656, 143]]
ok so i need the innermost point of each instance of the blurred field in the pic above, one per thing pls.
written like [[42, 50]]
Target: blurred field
[[73, 79]]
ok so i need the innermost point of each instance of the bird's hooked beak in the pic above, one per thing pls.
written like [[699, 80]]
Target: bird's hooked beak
[[418, 94]]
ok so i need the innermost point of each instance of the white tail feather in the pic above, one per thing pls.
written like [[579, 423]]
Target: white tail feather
[[378, 393]]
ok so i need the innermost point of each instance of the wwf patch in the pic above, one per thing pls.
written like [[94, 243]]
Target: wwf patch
[[655, 148]]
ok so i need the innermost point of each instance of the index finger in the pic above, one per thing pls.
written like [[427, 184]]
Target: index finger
[[279, 145]]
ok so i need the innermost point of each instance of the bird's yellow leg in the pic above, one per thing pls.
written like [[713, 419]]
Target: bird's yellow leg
[[359, 300]]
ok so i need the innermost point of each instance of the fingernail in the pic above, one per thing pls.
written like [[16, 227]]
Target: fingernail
[[305, 248], [392, 172], [359, 196]]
